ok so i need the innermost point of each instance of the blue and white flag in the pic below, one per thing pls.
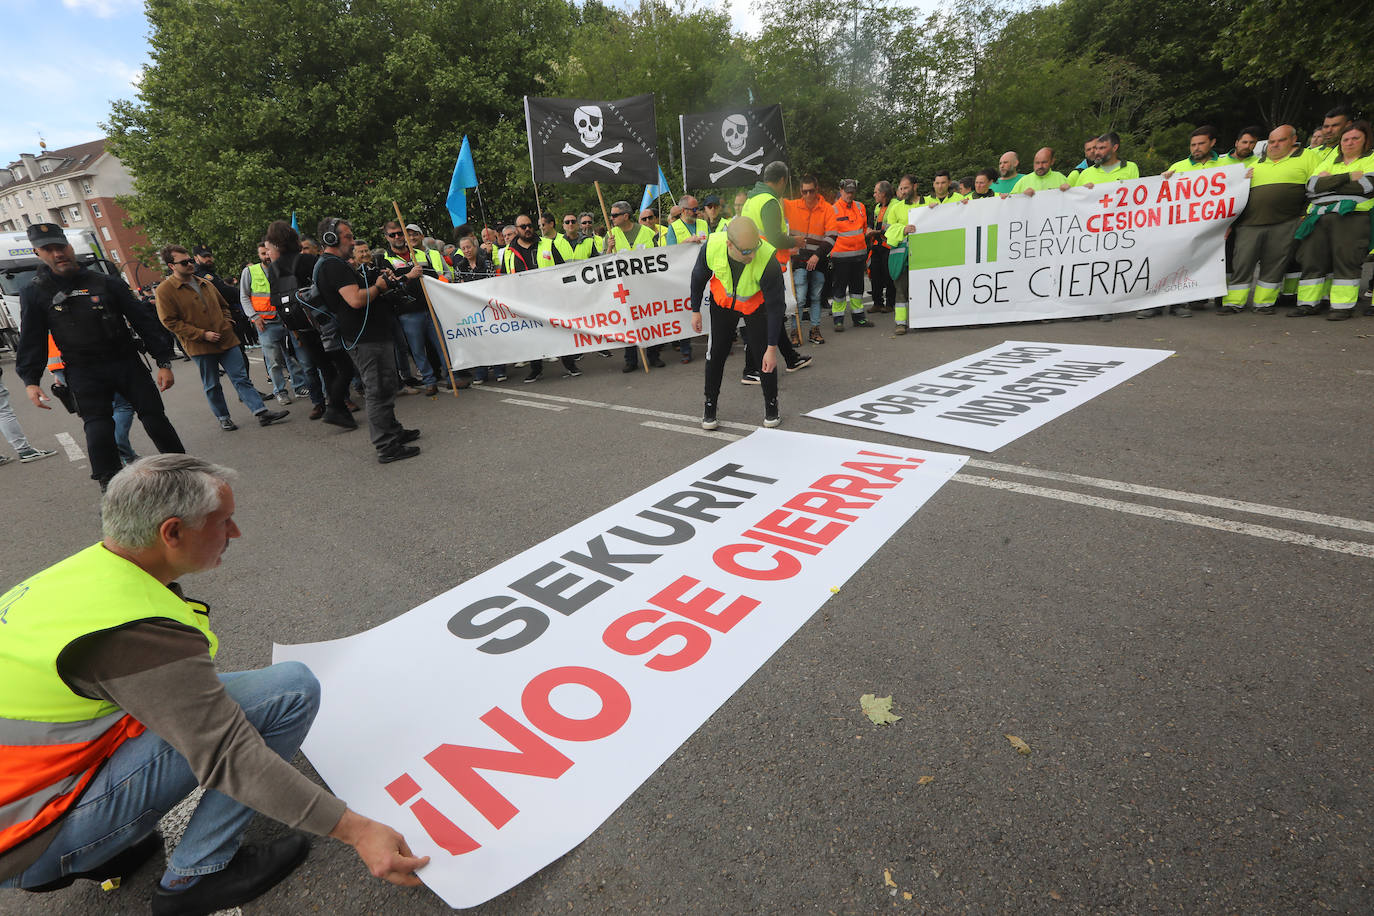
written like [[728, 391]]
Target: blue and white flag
[[653, 192], [464, 176]]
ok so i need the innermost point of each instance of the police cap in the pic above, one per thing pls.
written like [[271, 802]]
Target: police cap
[[41, 234]]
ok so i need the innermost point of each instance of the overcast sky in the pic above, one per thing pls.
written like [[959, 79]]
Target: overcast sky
[[83, 54]]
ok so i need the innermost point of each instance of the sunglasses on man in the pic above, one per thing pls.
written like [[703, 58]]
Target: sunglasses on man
[[184, 262]]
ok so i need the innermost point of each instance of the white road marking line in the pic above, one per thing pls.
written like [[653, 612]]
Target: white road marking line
[[523, 403], [1332, 521], [1354, 548], [642, 411], [73, 450], [704, 433], [1218, 502]]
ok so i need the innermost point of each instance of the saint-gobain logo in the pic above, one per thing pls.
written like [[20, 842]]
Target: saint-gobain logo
[[492, 311], [1179, 279]]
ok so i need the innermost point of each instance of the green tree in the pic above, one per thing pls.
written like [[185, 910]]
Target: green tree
[[250, 111]]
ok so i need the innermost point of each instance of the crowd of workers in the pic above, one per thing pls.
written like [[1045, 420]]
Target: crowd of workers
[[1304, 234]]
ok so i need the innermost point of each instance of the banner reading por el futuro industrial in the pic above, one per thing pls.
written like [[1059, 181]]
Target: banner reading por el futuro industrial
[[995, 396], [1115, 247], [635, 299], [500, 723]]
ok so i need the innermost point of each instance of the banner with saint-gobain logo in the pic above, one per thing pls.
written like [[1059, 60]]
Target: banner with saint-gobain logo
[[1115, 247], [636, 299]]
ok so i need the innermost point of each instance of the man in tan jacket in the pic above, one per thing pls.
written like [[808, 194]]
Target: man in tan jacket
[[193, 310]]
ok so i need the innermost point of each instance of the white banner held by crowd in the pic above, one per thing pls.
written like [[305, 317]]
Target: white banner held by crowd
[[500, 723], [994, 397], [636, 299], [633, 299], [1115, 247]]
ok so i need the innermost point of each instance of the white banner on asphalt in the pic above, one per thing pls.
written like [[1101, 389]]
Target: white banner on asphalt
[[994, 397], [500, 723], [635, 299], [1116, 247]]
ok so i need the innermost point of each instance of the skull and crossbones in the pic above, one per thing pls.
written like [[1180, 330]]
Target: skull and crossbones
[[590, 124], [734, 130]]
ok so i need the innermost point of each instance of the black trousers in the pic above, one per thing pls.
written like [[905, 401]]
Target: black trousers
[[884, 289], [335, 368], [650, 353], [788, 352], [94, 387], [721, 324], [537, 366]]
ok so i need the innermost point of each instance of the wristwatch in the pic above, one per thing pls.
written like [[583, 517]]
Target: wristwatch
[[164, 364]]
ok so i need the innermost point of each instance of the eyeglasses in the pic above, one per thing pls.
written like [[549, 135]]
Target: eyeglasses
[[615, 215], [524, 225], [393, 235], [183, 262], [569, 222], [586, 222], [745, 251], [808, 190], [649, 217], [690, 209]]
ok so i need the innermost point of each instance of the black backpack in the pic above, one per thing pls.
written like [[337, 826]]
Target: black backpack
[[291, 309]]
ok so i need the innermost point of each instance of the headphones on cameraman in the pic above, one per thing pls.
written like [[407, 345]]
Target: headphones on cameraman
[[330, 236]]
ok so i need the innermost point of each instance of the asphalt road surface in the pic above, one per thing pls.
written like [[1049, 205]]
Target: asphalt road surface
[[1166, 593]]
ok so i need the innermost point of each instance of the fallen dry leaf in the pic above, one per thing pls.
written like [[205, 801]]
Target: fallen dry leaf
[[1021, 746], [1055, 895], [925, 780], [887, 878], [878, 709], [906, 895]]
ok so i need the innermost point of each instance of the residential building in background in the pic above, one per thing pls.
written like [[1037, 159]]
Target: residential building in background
[[76, 188]]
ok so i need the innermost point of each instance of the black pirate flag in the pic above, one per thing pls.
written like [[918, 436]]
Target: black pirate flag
[[578, 141], [730, 148]]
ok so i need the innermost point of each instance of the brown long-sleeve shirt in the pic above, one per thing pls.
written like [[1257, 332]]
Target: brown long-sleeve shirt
[[189, 309], [160, 672]]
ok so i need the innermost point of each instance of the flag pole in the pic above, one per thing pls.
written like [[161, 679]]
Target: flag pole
[[438, 330], [606, 215], [482, 206]]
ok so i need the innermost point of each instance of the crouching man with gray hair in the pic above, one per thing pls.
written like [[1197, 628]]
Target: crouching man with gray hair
[[112, 712]]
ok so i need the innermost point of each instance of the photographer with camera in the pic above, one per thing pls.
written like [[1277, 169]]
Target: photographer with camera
[[365, 329], [408, 300], [86, 314], [317, 336]]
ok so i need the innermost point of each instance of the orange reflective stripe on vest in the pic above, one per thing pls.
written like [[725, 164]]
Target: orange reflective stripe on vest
[[852, 223], [723, 298], [55, 363], [45, 774]]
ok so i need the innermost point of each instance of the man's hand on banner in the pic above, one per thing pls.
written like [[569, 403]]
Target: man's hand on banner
[[383, 850], [696, 322]]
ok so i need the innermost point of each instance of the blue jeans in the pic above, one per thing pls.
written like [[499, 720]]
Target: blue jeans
[[418, 328], [809, 284], [231, 360], [123, 421], [273, 337], [9, 424], [145, 778]]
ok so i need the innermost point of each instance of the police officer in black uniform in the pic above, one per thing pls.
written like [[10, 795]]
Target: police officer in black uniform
[[88, 315]]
